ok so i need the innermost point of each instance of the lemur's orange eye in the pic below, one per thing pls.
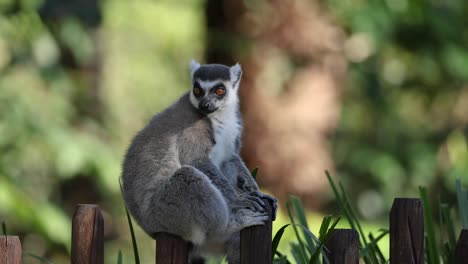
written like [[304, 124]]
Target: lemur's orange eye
[[220, 91], [196, 91]]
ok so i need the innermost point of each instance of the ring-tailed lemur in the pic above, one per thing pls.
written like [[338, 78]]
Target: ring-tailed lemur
[[183, 174]]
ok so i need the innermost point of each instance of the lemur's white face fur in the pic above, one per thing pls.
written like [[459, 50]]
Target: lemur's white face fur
[[214, 86]]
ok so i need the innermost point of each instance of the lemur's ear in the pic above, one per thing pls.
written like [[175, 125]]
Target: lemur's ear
[[236, 74], [194, 65]]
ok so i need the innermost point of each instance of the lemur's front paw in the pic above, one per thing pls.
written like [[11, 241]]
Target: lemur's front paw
[[249, 201], [272, 200]]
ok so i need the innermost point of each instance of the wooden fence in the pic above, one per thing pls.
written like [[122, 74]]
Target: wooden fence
[[406, 240]]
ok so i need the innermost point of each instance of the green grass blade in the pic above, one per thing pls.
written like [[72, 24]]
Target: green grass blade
[[41, 259], [325, 232], [254, 173], [333, 186], [299, 249], [448, 222], [431, 248], [448, 255], [318, 252], [277, 239], [348, 212], [324, 227], [296, 252], [462, 197], [4, 229], [341, 201], [352, 214], [282, 259], [132, 232], [333, 225], [119, 257], [300, 214], [375, 247]]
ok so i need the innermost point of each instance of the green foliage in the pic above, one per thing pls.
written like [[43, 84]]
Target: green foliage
[[41, 259], [306, 248], [402, 121], [440, 238], [370, 251], [59, 126]]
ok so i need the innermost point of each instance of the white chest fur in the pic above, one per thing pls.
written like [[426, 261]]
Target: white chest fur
[[226, 129]]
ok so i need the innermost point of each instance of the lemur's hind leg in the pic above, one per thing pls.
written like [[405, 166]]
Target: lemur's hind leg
[[233, 249], [187, 204]]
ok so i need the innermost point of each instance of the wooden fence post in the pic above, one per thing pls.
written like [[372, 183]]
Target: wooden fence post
[[87, 235], [255, 242], [342, 247], [170, 249], [10, 250], [407, 231], [461, 250]]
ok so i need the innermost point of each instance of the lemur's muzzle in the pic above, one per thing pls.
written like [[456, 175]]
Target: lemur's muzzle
[[206, 106]]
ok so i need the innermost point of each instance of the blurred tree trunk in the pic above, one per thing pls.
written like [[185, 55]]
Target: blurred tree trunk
[[291, 54]]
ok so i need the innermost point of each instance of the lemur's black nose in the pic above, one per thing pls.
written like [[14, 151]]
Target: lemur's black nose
[[206, 106]]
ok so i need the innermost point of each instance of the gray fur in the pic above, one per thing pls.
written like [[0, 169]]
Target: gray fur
[[211, 72], [182, 173]]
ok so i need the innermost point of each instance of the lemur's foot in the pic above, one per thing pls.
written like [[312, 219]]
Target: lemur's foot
[[251, 218]]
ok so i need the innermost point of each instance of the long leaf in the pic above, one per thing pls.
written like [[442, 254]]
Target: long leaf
[[433, 255], [119, 257], [282, 259], [375, 247], [327, 230], [277, 239], [4, 229], [353, 215], [462, 197], [331, 228], [132, 232], [448, 221], [254, 173], [299, 210], [41, 259], [324, 227], [299, 248], [298, 251], [343, 200]]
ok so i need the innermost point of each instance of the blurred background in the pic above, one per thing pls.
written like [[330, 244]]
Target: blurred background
[[376, 91]]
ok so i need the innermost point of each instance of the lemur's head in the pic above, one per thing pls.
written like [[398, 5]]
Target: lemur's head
[[214, 86]]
